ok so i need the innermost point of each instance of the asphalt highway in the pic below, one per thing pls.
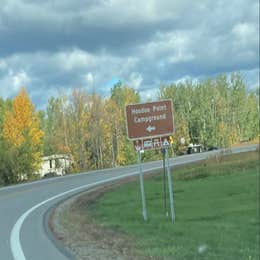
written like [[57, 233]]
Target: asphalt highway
[[23, 207]]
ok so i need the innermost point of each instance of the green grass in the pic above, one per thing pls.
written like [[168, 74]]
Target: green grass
[[216, 205]]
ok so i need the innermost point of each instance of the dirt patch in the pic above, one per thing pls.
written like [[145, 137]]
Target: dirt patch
[[72, 225]]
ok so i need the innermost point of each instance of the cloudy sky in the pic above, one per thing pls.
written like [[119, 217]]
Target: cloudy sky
[[52, 46]]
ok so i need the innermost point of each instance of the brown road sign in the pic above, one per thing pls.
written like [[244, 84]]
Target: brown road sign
[[149, 119]]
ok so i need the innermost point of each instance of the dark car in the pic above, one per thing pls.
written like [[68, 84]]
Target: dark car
[[212, 148], [50, 174]]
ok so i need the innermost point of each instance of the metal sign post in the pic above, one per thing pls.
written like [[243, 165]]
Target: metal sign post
[[164, 184], [170, 187], [142, 184]]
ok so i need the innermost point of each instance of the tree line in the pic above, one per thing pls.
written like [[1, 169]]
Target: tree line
[[215, 112]]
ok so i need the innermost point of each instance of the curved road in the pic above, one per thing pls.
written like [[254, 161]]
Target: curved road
[[23, 207]]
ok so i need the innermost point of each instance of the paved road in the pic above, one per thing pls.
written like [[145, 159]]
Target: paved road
[[23, 207]]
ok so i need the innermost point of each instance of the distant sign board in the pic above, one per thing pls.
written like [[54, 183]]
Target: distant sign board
[[147, 120]]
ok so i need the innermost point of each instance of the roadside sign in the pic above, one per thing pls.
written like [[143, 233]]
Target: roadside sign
[[165, 142], [150, 126], [147, 120], [152, 143]]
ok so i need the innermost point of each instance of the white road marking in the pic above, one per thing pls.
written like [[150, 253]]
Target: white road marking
[[15, 242]]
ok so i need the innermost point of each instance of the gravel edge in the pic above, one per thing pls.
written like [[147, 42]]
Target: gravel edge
[[75, 242]]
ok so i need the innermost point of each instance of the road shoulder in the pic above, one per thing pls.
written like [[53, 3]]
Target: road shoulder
[[72, 227]]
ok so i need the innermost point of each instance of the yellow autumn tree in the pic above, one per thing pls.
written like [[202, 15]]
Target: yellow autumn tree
[[22, 133]]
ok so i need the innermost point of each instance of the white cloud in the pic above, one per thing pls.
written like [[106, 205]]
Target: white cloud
[[89, 78], [135, 80], [172, 47], [11, 83], [244, 30], [20, 79], [148, 94], [73, 59], [245, 35], [3, 65]]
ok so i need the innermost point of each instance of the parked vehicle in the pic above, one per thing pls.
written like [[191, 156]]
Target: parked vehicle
[[50, 174], [211, 148], [194, 148]]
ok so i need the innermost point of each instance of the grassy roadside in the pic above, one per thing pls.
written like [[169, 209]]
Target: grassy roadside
[[217, 211]]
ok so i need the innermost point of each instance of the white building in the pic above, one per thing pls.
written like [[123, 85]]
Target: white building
[[56, 164]]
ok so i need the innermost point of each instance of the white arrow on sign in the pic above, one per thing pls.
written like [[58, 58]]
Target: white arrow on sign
[[150, 128]]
